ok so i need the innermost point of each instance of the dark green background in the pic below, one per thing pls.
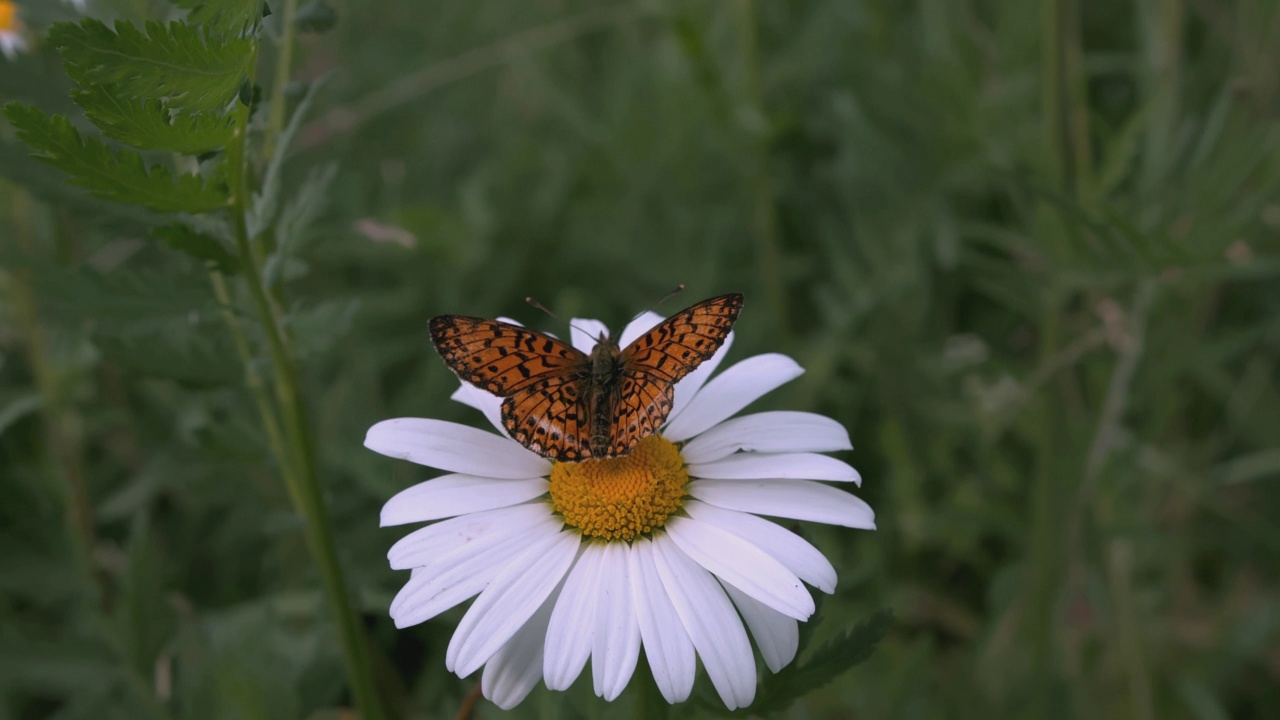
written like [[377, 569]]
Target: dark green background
[[1027, 251]]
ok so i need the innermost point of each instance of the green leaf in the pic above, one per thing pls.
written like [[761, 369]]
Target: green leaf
[[197, 244], [15, 405], [20, 166], [194, 356], [176, 62], [144, 616], [266, 203], [132, 498], [1252, 467], [121, 176], [149, 125], [824, 665], [311, 200], [119, 303], [297, 217]]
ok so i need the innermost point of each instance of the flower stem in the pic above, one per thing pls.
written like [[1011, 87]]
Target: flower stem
[[297, 458]]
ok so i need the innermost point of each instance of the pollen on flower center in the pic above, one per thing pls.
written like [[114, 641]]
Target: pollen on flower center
[[620, 498]]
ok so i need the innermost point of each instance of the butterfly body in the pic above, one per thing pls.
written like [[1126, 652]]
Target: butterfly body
[[568, 405], [606, 371]]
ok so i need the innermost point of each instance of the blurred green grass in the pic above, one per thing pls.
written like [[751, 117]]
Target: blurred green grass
[[1027, 252]]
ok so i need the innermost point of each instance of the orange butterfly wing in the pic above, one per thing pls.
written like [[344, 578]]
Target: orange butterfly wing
[[539, 377], [500, 357], [544, 382], [657, 360], [549, 419]]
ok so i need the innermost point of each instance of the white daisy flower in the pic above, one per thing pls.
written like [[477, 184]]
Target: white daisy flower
[[12, 35], [662, 548]]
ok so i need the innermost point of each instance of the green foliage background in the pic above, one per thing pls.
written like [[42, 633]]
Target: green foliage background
[[1027, 251]]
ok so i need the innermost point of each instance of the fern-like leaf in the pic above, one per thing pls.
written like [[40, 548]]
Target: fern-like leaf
[[122, 176], [176, 62], [18, 165], [266, 202], [824, 665], [231, 16], [149, 125], [197, 244]]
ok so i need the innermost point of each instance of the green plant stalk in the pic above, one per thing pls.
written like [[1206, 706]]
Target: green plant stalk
[[1065, 101], [302, 478], [284, 66], [768, 257], [1046, 549], [257, 388], [64, 448], [67, 460], [61, 438], [1120, 576], [276, 113], [1162, 48]]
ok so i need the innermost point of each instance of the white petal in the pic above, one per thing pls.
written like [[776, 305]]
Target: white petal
[[584, 332], [454, 448], [509, 601], [451, 495], [753, 466], [12, 43], [573, 621], [666, 644], [426, 545], [774, 431], [788, 548], [743, 565], [456, 576], [643, 323], [693, 382], [711, 621], [615, 649], [798, 499], [777, 635], [482, 400], [512, 672], [730, 391]]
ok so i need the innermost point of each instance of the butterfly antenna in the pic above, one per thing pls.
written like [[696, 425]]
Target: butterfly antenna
[[677, 290], [530, 299]]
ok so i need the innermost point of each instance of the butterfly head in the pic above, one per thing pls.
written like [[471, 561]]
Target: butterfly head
[[604, 356]]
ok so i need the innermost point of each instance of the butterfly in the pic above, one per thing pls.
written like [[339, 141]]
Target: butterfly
[[569, 406]]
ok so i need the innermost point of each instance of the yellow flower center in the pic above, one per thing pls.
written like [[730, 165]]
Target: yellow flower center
[[8, 16], [620, 498]]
